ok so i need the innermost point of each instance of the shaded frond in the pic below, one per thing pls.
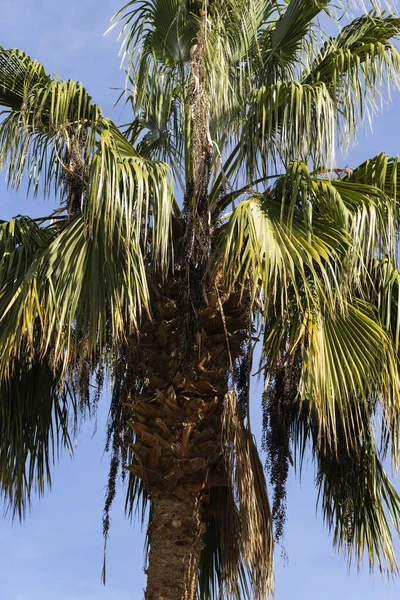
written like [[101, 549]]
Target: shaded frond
[[360, 505], [245, 471], [348, 368], [20, 238], [385, 293], [36, 416], [221, 566]]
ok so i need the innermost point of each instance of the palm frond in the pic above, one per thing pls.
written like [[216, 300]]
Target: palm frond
[[85, 290], [288, 119], [309, 112], [158, 130], [48, 124], [166, 28], [36, 416], [131, 194], [20, 238], [232, 39], [221, 566], [360, 506], [56, 131], [367, 214], [385, 293], [349, 357], [245, 471], [349, 368], [381, 171], [284, 43], [359, 67], [278, 253]]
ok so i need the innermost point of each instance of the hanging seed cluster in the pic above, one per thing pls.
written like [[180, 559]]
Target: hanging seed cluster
[[279, 401], [127, 380]]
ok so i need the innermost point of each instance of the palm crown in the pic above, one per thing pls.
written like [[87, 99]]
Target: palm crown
[[241, 105]]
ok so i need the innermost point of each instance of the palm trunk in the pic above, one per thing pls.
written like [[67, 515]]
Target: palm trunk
[[177, 423], [175, 534], [185, 358]]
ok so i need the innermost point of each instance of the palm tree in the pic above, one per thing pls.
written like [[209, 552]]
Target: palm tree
[[238, 107]]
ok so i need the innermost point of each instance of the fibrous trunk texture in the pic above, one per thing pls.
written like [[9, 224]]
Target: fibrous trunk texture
[[175, 534], [176, 417]]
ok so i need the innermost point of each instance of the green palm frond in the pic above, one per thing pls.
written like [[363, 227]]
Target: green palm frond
[[232, 38], [85, 290], [55, 129], [348, 365], [385, 292], [360, 505], [305, 113], [156, 40], [367, 214], [20, 238], [283, 42], [131, 194], [279, 253], [36, 417], [359, 67], [158, 130], [382, 172], [46, 121], [167, 27], [349, 356], [357, 44], [289, 119]]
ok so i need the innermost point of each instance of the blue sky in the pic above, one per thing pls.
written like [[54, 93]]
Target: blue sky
[[57, 552]]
